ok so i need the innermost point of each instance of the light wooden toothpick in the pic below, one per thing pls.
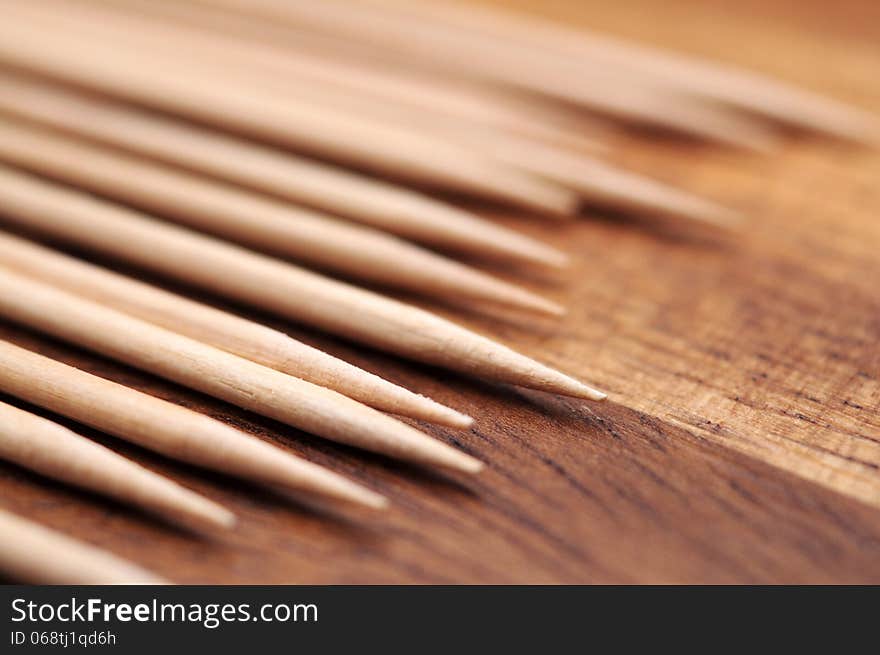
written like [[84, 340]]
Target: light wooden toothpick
[[368, 200], [27, 43], [606, 185], [32, 553], [264, 282], [164, 427], [181, 29], [218, 373], [702, 79], [412, 39], [58, 453], [222, 329], [257, 221], [473, 103], [596, 181]]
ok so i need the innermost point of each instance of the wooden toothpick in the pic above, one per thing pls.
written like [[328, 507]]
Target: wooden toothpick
[[221, 329], [596, 181], [164, 427], [32, 553], [606, 185], [257, 221], [413, 39], [743, 89], [237, 37], [59, 453], [218, 373], [264, 282], [390, 207], [404, 153]]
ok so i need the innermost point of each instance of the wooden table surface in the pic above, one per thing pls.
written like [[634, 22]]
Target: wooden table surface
[[742, 439]]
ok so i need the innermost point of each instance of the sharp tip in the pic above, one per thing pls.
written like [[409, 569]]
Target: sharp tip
[[473, 465], [556, 259], [334, 488], [431, 452], [458, 461], [716, 215], [569, 208], [557, 202], [763, 144], [220, 516], [565, 385], [543, 306], [454, 419], [841, 121], [727, 218], [443, 415], [518, 297], [373, 501], [505, 293], [866, 131], [531, 253], [534, 252], [209, 519], [228, 521], [674, 202], [348, 491], [148, 579], [425, 409]]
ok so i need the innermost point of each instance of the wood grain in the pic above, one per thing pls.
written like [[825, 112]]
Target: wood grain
[[742, 441]]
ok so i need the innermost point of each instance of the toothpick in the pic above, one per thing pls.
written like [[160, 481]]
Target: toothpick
[[601, 183], [248, 277], [393, 208], [234, 37], [221, 329], [52, 450], [220, 57], [215, 372], [164, 427], [409, 38], [27, 43], [33, 553], [744, 89], [596, 181], [264, 223]]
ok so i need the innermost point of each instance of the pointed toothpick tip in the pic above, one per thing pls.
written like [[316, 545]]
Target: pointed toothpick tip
[[472, 465], [505, 293], [599, 395], [556, 382], [304, 477], [580, 390], [453, 419], [437, 413], [871, 130], [532, 252], [716, 215], [456, 460], [548, 307], [380, 503], [555, 258], [341, 488], [226, 520], [372, 500]]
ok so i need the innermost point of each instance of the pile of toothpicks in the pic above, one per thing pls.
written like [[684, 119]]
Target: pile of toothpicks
[[241, 146]]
